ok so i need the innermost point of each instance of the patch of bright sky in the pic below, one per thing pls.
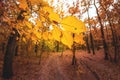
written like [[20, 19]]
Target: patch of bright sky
[[92, 12], [62, 5], [33, 17]]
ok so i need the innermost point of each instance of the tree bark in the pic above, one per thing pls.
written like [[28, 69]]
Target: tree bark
[[16, 50], [36, 49], [73, 51], [87, 44], [74, 58], [91, 37], [102, 32], [114, 42], [8, 58], [92, 43], [3, 47], [57, 46]]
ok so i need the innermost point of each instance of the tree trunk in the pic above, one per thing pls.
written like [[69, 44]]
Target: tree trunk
[[87, 44], [57, 46], [102, 32], [8, 58], [91, 37], [3, 47], [92, 44], [115, 47], [114, 42], [73, 51], [16, 50], [36, 49], [74, 58]]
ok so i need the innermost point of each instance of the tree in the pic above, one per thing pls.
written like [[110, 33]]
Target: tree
[[89, 23], [10, 51], [30, 21], [102, 32], [110, 24], [15, 18]]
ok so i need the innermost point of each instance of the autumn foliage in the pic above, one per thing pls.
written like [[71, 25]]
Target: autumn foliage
[[41, 25]]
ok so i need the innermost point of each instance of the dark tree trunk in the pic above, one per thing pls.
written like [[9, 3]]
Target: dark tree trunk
[[16, 50], [10, 51], [92, 44], [115, 48], [36, 49], [74, 58], [3, 47], [57, 46], [91, 37], [102, 32], [73, 51], [87, 44], [114, 42]]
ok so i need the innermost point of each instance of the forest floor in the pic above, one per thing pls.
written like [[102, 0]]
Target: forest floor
[[58, 67]]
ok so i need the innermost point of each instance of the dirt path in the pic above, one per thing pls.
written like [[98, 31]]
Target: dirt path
[[53, 67], [60, 68], [57, 67], [102, 69], [52, 70]]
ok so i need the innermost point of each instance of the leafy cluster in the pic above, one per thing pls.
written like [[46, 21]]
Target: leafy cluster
[[36, 20]]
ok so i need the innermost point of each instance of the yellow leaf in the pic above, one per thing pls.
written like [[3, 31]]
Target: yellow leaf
[[38, 24], [45, 35], [72, 24], [79, 38], [38, 2], [23, 4], [28, 24], [56, 33], [27, 17], [67, 39], [33, 37], [50, 36], [37, 34], [48, 9], [42, 19], [24, 40], [54, 17]]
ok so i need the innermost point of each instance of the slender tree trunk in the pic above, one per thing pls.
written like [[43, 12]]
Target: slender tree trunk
[[57, 46], [114, 40], [92, 44], [16, 50], [36, 49], [107, 37], [91, 37], [74, 58], [115, 47], [87, 44], [73, 51], [102, 32], [8, 58], [3, 47], [113, 35]]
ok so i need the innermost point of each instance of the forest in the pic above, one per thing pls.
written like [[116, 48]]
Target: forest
[[59, 40]]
